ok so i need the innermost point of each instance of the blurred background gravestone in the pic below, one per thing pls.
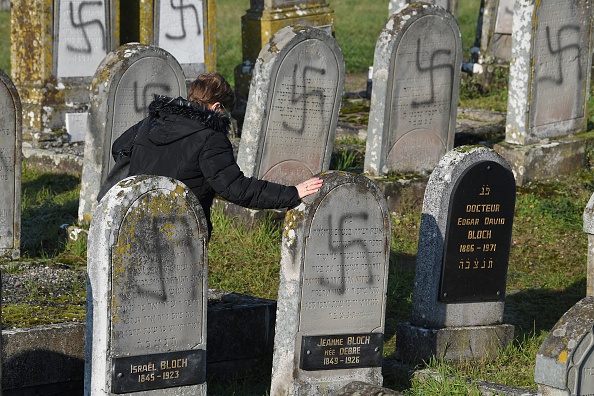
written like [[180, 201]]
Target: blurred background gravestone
[[494, 31], [263, 19], [548, 88], [186, 29], [123, 88], [10, 168], [147, 293], [332, 293], [290, 124], [462, 259], [54, 53], [416, 82]]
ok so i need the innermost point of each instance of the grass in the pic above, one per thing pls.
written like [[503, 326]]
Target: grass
[[5, 42]]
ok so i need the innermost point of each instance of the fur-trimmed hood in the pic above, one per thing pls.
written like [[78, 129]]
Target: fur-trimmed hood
[[175, 118]]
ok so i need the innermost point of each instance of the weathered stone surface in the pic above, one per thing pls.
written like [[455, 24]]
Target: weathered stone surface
[[288, 132], [419, 344], [541, 161], [43, 355], [564, 360], [334, 268], [10, 168], [399, 5], [122, 90], [363, 389], [549, 74], [147, 301], [412, 119]]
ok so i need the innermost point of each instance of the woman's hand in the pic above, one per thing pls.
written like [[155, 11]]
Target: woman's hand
[[309, 187]]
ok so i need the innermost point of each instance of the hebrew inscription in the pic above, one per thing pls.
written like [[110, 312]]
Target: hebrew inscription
[[421, 106], [560, 62], [478, 235], [181, 30], [7, 171], [302, 109], [82, 38], [157, 297], [344, 269]]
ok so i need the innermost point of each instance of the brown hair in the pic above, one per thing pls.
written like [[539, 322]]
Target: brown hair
[[210, 88]]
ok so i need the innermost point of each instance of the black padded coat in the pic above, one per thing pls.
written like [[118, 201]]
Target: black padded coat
[[188, 142]]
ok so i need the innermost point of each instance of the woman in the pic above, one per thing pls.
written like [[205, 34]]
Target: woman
[[187, 140]]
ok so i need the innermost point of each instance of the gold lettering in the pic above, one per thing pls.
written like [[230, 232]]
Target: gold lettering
[[479, 234], [330, 342], [467, 222], [482, 208]]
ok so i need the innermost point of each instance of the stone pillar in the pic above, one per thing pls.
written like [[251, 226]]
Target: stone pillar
[[589, 229], [55, 49], [264, 18]]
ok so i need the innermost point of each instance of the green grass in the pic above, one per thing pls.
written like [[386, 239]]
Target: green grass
[[5, 42]]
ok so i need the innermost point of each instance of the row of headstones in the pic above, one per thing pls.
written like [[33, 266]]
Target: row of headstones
[[147, 263]]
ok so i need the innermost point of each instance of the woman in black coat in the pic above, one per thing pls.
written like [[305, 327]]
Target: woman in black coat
[[187, 140]]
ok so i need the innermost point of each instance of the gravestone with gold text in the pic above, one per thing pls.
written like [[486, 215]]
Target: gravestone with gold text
[[147, 291], [462, 259], [332, 294]]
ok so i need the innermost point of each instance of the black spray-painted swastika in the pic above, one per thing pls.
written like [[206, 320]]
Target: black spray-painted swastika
[[82, 25], [574, 49], [143, 107], [303, 97], [431, 70], [182, 15]]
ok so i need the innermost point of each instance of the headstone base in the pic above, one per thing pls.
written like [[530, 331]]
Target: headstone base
[[357, 388], [548, 391], [542, 161], [416, 344]]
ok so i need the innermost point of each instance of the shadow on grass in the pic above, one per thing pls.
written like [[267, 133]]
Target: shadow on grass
[[537, 310], [49, 200]]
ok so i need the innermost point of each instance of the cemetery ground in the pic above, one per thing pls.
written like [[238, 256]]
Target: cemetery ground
[[546, 276]]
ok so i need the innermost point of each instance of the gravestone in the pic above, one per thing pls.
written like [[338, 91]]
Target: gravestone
[[10, 168], [564, 361], [147, 293], [266, 17], [548, 89], [54, 53], [290, 123], [589, 229], [332, 294], [462, 259], [122, 89], [416, 80], [185, 29], [450, 5], [494, 31]]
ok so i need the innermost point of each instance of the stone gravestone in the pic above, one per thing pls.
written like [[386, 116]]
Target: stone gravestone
[[565, 362], [185, 29], [147, 296], [416, 80], [264, 19], [10, 168], [54, 52], [292, 112], [589, 229], [450, 5], [494, 31], [123, 87], [462, 259], [548, 89], [332, 294]]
